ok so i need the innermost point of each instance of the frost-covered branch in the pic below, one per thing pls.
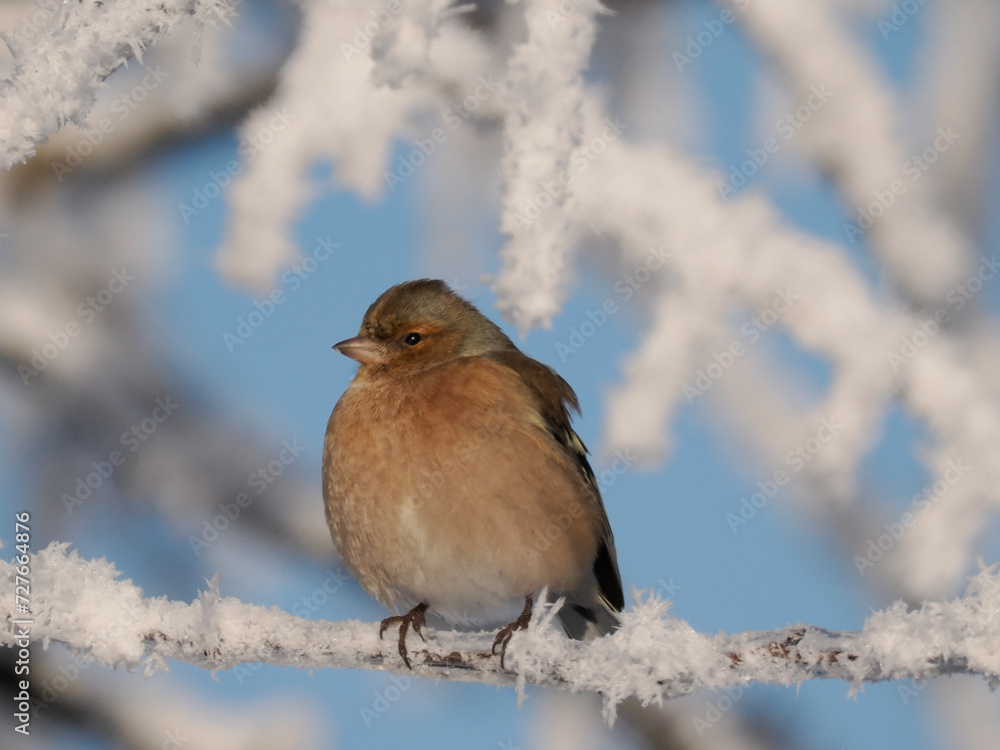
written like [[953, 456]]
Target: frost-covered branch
[[59, 68], [346, 107], [855, 137], [961, 65], [644, 197], [543, 129], [82, 604]]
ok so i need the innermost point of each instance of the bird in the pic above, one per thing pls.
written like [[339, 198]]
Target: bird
[[453, 481]]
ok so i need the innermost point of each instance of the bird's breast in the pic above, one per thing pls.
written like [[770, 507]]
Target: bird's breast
[[449, 489]]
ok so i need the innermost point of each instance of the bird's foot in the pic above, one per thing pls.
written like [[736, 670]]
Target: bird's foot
[[412, 619], [503, 637]]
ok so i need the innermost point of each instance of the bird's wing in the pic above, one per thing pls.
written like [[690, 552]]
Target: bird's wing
[[554, 398]]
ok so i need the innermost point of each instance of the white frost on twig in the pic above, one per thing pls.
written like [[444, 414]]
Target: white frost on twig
[[854, 132], [357, 77], [737, 255], [543, 127], [82, 604], [57, 73]]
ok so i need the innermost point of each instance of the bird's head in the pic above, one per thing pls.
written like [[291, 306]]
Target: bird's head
[[419, 324]]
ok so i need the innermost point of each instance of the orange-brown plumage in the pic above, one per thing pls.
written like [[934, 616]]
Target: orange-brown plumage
[[452, 476]]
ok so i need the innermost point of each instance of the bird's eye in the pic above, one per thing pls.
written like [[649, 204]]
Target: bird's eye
[[412, 339]]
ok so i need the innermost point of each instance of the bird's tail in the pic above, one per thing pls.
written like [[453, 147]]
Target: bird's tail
[[588, 617], [593, 610]]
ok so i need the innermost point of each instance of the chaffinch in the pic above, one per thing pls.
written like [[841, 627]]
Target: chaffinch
[[453, 481]]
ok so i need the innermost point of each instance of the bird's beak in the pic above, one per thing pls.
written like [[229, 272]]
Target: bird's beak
[[362, 348]]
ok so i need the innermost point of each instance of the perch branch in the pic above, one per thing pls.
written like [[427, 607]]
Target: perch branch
[[82, 604]]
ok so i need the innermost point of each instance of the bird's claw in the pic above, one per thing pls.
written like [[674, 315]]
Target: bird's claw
[[413, 619], [505, 634]]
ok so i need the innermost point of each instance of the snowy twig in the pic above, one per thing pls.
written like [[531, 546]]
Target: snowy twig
[[56, 76], [543, 129], [855, 137], [345, 107], [81, 603]]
